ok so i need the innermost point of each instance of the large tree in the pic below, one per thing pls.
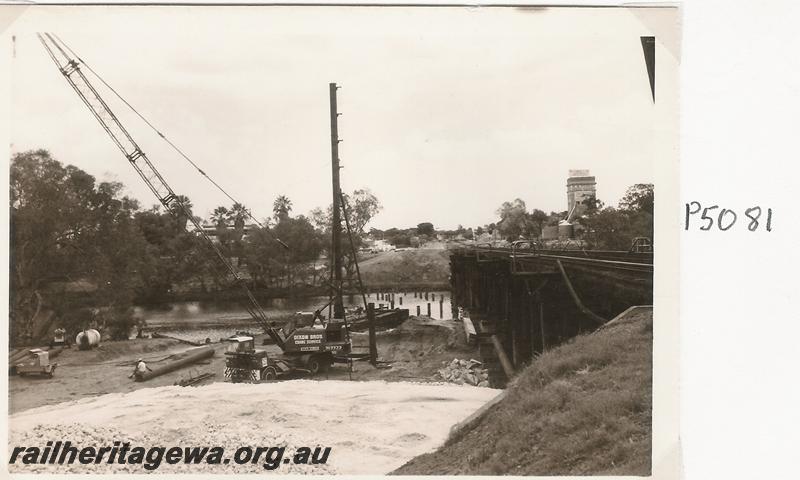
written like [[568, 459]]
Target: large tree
[[638, 198], [175, 256], [425, 228], [65, 229], [615, 228], [538, 218], [514, 220], [361, 206], [268, 261]]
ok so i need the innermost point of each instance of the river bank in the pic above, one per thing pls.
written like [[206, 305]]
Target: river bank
[[299, 292], [421, 270]]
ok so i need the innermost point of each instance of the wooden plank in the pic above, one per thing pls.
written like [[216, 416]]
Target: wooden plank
[[469, 329]]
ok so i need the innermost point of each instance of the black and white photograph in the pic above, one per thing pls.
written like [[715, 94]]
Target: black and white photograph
[[341, 239]]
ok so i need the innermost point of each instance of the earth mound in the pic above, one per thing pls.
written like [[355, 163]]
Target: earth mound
[[583, 408]]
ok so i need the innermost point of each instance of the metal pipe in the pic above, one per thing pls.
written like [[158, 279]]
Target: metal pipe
[[191, 356], [597, 318]]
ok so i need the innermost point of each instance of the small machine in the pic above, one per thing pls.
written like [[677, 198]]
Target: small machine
[[38, 364], [60, 338], [243, 363]]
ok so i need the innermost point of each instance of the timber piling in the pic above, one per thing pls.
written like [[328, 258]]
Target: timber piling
[[523, 303]]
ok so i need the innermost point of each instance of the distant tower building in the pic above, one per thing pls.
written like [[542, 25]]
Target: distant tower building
[[580, 187]]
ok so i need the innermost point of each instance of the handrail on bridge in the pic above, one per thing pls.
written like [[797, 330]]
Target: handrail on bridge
[[478, 251], [641, 245], [516, 245]]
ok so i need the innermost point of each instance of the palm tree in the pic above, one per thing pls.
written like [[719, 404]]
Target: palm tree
[[220, 217], [281, 208], [183, 214], [238, 212]]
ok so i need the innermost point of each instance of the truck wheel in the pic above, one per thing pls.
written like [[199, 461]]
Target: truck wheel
[[50, 373], [269, 374], [325, 363], [314, 365]]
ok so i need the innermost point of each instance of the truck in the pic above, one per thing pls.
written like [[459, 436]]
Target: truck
[[38, 364]]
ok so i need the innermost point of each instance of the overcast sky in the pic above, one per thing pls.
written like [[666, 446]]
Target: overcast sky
[[446, 112]]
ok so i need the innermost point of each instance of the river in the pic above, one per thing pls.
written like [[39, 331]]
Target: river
[[196, 321]]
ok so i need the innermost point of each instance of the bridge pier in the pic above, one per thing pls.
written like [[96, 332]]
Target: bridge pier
[[526, 304]]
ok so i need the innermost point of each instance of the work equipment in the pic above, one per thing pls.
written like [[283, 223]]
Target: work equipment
[[308, 350], [38, 364], [87, 339], [243, 363], [300, 349], [60, 338]]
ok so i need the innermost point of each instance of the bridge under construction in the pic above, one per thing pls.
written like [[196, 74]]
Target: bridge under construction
[[522, 300]]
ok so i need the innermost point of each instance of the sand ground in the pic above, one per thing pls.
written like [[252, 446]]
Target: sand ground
[[374, 423], [414, 351], [372, 427]]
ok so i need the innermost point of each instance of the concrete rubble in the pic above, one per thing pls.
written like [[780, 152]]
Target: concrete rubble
[[467, 372]]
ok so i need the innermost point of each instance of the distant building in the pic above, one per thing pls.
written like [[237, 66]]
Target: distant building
[[580, 187], [213, 232], [380, 245]]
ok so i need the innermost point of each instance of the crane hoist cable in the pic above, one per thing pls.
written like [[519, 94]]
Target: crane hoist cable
[[70, 68], [168, 141]]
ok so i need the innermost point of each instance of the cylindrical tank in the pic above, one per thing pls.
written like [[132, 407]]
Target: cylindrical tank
[[87, 339], [565, 230], [550, 232]]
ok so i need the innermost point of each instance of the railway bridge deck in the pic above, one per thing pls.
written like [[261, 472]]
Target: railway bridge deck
[[524, 301]]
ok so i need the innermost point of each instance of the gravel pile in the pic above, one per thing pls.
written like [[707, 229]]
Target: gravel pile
[[371, 427], [467, 372], [204, 435]]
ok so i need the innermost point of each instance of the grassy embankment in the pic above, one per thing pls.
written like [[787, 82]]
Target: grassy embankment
[[583, 408], [416, 268]]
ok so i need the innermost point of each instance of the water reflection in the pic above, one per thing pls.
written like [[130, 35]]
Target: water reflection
[[199, 320]]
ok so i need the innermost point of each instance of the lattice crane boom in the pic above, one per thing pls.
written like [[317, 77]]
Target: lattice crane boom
[[70, 67]]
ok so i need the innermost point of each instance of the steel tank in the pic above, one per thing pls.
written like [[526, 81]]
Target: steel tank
[[87, 339], [566, 230]]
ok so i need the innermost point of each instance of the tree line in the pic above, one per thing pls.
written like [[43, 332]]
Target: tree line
[[82, 250], [600, 225]]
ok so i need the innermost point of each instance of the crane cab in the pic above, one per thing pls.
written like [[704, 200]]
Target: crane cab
[[315, 348], [240, 344], [243, 363]]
